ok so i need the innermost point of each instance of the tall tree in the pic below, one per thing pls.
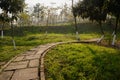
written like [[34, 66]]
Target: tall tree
[[114, 9], [39, 12], [12, 7], [24, 18], [36, 12], [3, 19], [94, 10], [75, 20]]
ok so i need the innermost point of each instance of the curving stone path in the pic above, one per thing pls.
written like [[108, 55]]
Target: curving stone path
[[28, 66]]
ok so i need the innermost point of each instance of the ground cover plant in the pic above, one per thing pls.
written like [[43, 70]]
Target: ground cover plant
[[31, 36], [82, 62]]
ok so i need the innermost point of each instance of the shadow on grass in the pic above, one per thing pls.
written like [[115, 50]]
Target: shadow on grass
[[107, 64]]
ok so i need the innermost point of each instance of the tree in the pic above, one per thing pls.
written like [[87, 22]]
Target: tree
[[48, 17], [75, 20], [39, 12], [13, 7], [51, 16], [114, 9], [64, 13], [94, 10], [3, 19], [36, 11], [24, 18]]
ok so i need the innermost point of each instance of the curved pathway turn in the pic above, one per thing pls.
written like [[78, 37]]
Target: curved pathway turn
[[29, 65]]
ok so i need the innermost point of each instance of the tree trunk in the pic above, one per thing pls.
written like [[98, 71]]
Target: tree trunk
[[21, 31], [48, 19], [2, 33], [75, 20], [115, 31], [12, 35], [100, 23], [76, 29]]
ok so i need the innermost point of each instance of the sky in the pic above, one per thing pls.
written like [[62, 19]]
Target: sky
[[31, 3]]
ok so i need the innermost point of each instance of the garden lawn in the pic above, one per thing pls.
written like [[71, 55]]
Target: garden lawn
[[82, 62], [31, 36], [27, 42]]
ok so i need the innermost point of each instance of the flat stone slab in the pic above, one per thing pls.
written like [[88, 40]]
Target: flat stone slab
[[17, 65], [20, 58], [34, 49], [26, 74], [40, 51], [34, 63], [30, 57], [30, 52], [6, 75]]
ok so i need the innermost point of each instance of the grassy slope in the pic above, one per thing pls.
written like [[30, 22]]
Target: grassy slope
[[82, 62], [28, 37]]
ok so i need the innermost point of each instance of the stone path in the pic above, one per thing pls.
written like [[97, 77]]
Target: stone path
[[27, 66]]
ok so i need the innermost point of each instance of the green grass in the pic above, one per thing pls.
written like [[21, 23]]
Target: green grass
[[31, 36], [82, 62], [27, 42], [7, 52]]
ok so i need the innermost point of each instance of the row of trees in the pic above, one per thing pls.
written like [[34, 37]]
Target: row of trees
[[97, 10], [50, 15], [10, 11], [40, 14]]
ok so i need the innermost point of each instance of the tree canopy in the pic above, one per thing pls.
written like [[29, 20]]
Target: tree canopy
[[12, 6], [98, 10]]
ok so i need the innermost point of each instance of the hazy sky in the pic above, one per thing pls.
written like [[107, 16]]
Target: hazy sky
[[48, 2]]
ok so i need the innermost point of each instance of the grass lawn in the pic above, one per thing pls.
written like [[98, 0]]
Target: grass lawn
[[82, 62], [31, 36], [27, 42]]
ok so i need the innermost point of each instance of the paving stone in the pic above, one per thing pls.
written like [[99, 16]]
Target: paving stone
[[31, 52], [19, 58], [37, 55], [42, 76], [51, 44], [29, 57], [39, 52], [35, 49], [42, 46], [17, 65], [45, 46], [34, 63], [26, 74], [6, 75]]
